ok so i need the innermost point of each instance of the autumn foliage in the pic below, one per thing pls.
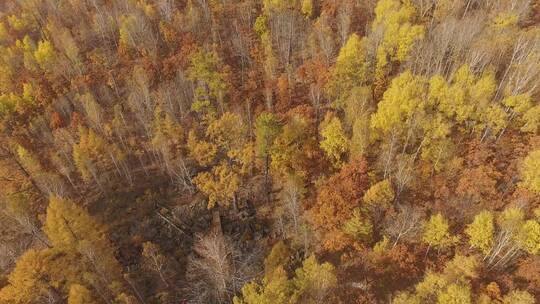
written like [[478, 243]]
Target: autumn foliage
[[275, 151]]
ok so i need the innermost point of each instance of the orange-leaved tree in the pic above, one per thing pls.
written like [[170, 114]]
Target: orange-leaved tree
[[336, 200]]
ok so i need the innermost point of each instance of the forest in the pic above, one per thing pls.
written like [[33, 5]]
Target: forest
[[269, 152]]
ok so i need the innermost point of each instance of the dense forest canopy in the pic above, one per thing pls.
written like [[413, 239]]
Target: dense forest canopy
[[269, 152]]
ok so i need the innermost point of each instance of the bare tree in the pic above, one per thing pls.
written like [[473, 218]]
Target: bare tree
[[325, 37], [155, 260], [14, 240], [523, 71], [217, 269], [446, 46], [405, 224], [345, 11], [506, 248], [140, 99], [104, 23], [138, 32], [166, 8], [93, 110]]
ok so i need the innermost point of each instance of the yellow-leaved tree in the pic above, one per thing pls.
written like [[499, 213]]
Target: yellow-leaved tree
[[220, 185], [210, 86], [452, 285], [334, 142], [481, 232], [94, 157], [225, 136], [311, 284], [79, 265], [78, 294], [350, 70], [437, 232], [70, 227], [530, 171], [395, 19]]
